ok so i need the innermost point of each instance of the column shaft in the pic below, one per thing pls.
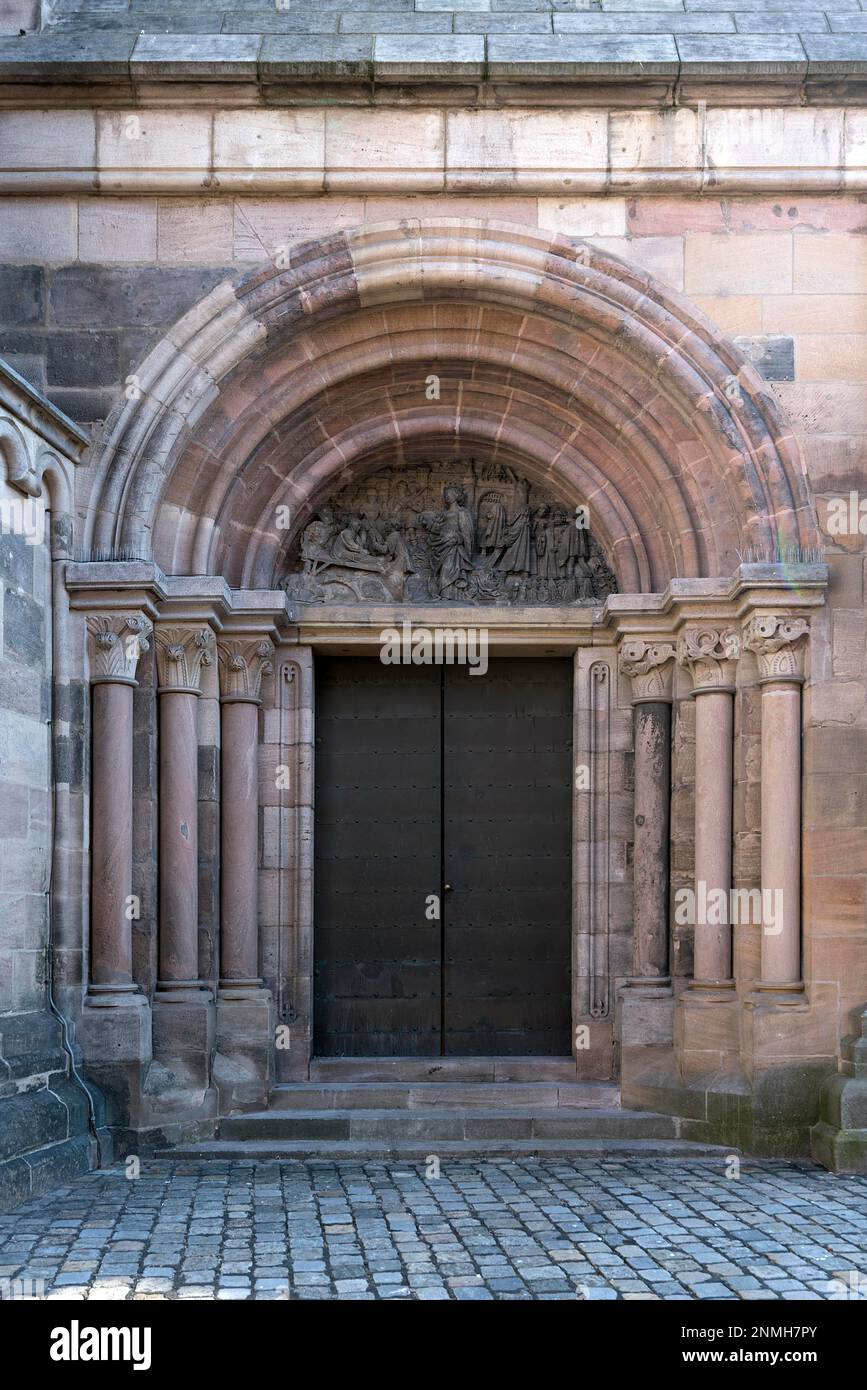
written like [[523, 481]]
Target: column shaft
[[781, 834], [179, 840], [239, 838], [111, 855], [779, 641], [652, 732], [116, 642], [714, 723]]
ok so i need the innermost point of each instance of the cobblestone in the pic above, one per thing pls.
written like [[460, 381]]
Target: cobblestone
[[493, 1229]]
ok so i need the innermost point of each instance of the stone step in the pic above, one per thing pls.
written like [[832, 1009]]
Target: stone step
[[433, 1124], [470, 1069], [409, 1095], [354, 1151]]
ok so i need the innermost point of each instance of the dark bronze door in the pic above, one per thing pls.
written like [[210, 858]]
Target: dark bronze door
[[507, 822], [434, 784]]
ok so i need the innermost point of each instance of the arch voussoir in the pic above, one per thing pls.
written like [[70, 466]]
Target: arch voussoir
[[280, 384]]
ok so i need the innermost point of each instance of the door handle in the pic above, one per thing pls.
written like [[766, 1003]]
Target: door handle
[[447, 888]]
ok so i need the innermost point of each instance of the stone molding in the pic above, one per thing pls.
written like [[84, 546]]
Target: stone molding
[[242, 666], [780, 645], [116, 642], [650, 668], [431, 148], [365, 279], [181, 653], [710, 655]]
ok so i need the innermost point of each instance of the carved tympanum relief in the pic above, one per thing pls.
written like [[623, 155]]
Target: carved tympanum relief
[[461, 532]]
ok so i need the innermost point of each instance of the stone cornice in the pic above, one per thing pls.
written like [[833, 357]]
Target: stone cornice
[[793, 66], [260, 613], [548, 139], [97, 584]]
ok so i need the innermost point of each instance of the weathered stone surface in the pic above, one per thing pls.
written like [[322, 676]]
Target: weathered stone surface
[[114, 229], [564, 55], [399, 55], [222, 56], [22, 295], [90, 296]]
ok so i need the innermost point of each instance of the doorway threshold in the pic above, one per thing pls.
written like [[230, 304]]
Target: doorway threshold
[[467, 1069]]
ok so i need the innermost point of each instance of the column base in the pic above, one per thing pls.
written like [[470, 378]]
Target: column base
[[182, 991], [765, 993], [707, 1037], [719, 990], [116, 1038], [184, 1033], [644, 1022], [115, 997], [245, 1046], [240, 989], [648, 983]]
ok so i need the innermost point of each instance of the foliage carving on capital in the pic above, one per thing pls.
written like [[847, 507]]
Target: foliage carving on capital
[[242, 666], [779, 642], [710, 655], [182, 650], [650, 667], [116, 642]]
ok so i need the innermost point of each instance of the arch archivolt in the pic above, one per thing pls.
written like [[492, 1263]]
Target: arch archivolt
[[284, 386]]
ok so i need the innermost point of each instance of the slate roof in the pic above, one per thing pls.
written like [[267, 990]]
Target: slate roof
[[423, 39]]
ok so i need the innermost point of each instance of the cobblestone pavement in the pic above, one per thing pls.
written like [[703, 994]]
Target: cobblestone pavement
[[491, 1229]]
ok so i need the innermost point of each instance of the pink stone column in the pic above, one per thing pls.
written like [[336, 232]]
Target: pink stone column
[[710, 654], [242, 665], [779, 642], [182, 650], [116, 643], [650, 668]]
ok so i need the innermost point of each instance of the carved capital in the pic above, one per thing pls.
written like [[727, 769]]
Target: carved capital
[[182, 650], [650, 667], [779, 642], [242, 666], [115, 643], [710, 654]]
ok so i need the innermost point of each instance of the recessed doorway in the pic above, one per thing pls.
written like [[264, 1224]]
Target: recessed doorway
[[443, 859]]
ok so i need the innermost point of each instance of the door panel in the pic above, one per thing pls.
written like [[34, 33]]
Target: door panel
[[508, 858], [377, 960], [427, 776]]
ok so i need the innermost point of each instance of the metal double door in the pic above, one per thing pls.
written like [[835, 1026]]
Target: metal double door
[[443, 831]]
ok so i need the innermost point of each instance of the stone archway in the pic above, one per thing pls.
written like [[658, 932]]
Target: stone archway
[[387, 346], [548, 351]]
